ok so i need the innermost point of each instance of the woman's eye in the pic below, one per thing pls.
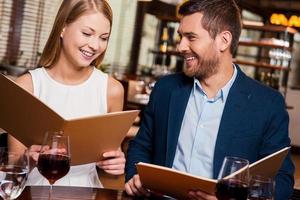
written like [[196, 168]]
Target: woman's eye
[[104, 38], [86, 34]]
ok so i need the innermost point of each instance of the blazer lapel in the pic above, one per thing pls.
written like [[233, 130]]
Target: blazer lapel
[[235, 104], [178, 102]]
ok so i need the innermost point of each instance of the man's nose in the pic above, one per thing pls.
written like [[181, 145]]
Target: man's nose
[[182, 46]]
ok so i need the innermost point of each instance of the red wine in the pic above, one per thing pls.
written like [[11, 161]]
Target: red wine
[[231, 189], [53, 167]]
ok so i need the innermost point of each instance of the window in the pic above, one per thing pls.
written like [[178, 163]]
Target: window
[[24, 29]]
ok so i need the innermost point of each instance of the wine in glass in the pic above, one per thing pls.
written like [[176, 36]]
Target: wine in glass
[[233, 179], [54, 158], [14, 168]]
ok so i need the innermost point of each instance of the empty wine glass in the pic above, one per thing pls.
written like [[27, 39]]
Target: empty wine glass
[[54, 158], [233, 179], [261, 188], [14, 168], [149, 87], [139, 86]]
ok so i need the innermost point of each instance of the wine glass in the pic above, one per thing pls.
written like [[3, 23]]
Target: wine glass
[[54, 158], [261, 188], [149, 87], [233, 179], [14, 169]]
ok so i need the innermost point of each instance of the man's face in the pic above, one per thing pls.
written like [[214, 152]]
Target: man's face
[[200, 51]]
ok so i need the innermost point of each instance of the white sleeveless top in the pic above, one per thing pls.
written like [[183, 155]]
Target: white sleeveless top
[[71, 101]]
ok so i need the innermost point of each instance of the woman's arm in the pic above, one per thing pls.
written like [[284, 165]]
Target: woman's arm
[[114, 161], [115, 95]]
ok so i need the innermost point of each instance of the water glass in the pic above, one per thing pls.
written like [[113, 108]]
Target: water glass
[[14, 169], [261, 188]]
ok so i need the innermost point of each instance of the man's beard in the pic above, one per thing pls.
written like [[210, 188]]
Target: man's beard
[[205, 68]]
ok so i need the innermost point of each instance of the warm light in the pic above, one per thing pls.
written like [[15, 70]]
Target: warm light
[[281, 19]]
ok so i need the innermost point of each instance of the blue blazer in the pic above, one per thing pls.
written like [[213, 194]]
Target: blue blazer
[[254, 124]]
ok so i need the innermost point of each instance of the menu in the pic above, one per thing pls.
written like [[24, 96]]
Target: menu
[[177, 184], [27, 119]]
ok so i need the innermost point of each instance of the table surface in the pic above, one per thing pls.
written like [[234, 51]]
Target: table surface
[[71, 193], [76, 193]]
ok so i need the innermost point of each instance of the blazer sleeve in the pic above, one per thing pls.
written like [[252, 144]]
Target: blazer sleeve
[[277, 137]]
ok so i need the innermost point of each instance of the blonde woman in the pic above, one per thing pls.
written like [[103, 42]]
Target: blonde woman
[[69, 82]]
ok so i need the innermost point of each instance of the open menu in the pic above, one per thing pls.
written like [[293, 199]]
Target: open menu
[[176, 184], [27, 119]]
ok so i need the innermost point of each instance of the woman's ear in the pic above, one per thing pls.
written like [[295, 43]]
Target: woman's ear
[[62, 33], [226, 39]]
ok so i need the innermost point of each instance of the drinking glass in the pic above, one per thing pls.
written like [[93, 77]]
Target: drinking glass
[[149, 86], [14, 168], [233, 179], [261, 188], [139, 86], [54, 158]]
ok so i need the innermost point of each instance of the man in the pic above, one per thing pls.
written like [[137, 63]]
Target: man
[[212, 110]]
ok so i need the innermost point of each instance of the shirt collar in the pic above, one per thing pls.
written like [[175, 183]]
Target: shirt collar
[[222, 93]]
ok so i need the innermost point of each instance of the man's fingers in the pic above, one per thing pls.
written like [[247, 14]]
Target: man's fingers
[[139, 186], [134, 187], [128, 189]]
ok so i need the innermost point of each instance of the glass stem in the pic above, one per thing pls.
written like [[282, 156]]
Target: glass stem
[[50, 192]]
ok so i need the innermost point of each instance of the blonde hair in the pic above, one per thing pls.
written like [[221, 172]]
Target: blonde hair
[[68, 12]]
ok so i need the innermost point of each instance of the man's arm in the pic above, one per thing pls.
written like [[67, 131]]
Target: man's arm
[[276, 137]]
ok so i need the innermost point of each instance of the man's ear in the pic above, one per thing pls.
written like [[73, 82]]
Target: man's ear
[[225, 40], [62, 33]]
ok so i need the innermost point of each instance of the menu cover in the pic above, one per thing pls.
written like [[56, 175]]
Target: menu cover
[[176, 184], [27, 119]]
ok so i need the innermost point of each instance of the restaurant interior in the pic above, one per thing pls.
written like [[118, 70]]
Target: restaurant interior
[[142, 48]]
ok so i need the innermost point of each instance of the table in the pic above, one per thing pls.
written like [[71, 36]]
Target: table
[[72, 193]]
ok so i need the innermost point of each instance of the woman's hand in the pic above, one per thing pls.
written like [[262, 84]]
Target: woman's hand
[[34, 151], [199, 195], [113, 163]]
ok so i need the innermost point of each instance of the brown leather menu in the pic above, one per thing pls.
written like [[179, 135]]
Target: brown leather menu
[[176, 184], [27, 119]]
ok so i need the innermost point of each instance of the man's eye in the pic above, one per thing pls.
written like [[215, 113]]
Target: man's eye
[[191, 38]]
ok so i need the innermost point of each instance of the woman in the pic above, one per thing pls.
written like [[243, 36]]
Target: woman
[[70, 84]]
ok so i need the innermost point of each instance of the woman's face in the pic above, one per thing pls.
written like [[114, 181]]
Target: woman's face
[[85, 39]]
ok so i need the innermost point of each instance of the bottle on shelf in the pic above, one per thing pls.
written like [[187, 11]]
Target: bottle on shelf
[[163, 46]]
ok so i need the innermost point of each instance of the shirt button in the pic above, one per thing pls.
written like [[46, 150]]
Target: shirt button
[[201, 126]]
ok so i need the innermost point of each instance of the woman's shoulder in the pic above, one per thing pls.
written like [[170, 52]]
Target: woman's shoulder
[[115, 95], [25, 81], [114, 87]]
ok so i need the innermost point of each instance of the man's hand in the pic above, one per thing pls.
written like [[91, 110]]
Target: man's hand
[[113, 163], [199, 195], [134, 187]]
